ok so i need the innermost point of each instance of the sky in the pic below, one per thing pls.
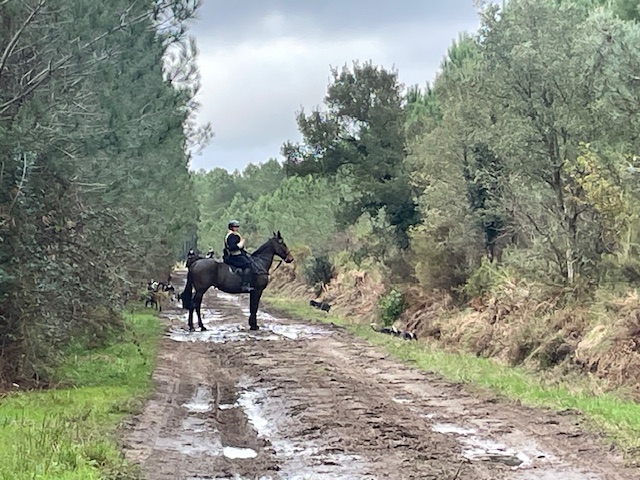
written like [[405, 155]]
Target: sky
[[261, 61]]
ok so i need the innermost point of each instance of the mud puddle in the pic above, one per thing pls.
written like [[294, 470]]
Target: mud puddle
[[298, 459], [196, 435], [482, 449], [219, 330]]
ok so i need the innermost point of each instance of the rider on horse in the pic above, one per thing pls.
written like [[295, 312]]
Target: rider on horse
[[235, 254], [191, 257]]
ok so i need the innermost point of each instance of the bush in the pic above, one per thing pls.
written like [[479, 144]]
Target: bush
[[318, 269], [484, 279], [441, 264], [391, 307]]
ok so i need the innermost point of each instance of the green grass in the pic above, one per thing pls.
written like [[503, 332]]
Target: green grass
[[609, 413], [69, 433]]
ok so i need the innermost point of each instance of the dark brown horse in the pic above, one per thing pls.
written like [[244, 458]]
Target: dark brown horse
[[210, 272]]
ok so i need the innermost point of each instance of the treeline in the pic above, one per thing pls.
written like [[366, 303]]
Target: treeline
[[519, 160], [96, 115]]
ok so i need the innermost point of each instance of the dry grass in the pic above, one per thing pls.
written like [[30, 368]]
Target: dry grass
[[521, 324]]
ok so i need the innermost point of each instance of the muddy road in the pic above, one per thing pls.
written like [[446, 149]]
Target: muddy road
[[305, 401]]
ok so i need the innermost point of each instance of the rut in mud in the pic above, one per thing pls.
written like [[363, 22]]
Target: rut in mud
[[303, 401]]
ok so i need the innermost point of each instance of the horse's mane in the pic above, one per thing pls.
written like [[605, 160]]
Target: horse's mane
[[261, 248]]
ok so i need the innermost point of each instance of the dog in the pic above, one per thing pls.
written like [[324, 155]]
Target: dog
[[324, 306], [405, 335]]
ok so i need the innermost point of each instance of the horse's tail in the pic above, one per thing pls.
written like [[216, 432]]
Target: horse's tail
[[186, 295]]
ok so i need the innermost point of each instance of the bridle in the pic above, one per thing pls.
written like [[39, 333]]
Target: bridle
[[280, 261]]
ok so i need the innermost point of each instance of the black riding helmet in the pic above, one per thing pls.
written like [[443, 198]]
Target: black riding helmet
[[233, 223]]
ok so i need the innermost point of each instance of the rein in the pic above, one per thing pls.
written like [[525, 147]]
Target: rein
[[278, 266]]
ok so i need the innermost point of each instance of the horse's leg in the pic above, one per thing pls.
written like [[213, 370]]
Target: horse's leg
[[190, 321], [197, 301], [254, 303]]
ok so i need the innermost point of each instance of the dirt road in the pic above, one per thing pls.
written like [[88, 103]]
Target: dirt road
[[304, 401]]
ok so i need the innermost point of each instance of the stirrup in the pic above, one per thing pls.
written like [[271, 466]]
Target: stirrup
[[247, 288]]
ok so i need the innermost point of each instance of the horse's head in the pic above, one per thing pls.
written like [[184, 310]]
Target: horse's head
[[280, 248]]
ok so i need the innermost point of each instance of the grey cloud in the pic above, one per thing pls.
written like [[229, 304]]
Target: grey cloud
[[259, 67], [238, 19]]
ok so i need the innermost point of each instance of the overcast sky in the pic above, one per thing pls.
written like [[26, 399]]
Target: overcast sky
[[262, 60]]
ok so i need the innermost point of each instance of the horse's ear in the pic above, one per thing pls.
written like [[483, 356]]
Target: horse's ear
[[279, 236], [274, 233]]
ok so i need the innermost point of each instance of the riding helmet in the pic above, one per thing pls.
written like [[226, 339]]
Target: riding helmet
[[234, 223]]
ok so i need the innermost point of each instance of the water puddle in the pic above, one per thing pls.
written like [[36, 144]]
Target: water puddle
[[295, 332], [201, 401], [235, 477], [235, 298], [197, 438], [233, 332], [264, 316], [239, 453], [220, 332], [194, 424], [476, 448], [209, 315], [223, 333], [450, 428], [299, 460], [251, 402], [499, 455], [402, 399]]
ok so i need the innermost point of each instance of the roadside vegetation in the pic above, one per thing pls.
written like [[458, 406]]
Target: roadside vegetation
[[68, 431], [96, 117]]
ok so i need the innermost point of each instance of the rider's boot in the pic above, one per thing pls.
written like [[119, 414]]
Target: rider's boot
[[246, 280]]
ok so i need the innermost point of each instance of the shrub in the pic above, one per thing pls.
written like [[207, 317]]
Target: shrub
[[318, 269], [391, 306]]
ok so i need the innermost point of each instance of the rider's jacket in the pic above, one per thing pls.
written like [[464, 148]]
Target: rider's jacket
[[231, 241]]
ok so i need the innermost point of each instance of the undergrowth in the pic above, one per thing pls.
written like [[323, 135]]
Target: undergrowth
[[69, 433], [611, 413]]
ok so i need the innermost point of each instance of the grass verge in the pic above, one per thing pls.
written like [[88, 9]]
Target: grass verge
[[606, 412], [69, 434]]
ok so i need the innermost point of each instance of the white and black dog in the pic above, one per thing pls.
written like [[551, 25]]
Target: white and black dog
[[406, 335]]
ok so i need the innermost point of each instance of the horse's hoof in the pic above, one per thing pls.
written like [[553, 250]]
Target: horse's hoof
[[191, 329], [202, 329], [254, 327]]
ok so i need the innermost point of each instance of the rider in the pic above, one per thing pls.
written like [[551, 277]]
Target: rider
[[210, 253], [191, 256], [235, 254]]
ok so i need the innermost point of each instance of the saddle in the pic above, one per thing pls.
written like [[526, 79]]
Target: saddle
[[237, 270]]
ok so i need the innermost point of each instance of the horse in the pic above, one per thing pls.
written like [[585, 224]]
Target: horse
[[211, 272]]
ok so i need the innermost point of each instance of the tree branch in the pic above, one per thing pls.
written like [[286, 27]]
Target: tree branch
[[21, 184], [14, 40]]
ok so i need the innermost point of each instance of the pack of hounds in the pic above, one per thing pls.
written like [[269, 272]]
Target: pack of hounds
[[392, 330], [158, 293]]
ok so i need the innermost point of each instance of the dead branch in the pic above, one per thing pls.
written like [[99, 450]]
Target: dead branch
[[51, 68], [14, 40], [22, 180]]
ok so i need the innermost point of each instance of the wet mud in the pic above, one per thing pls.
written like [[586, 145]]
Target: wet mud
[[310, 401]]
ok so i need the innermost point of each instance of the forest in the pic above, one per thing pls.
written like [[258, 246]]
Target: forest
[[509, 179], [97, 104], [507, 186]]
